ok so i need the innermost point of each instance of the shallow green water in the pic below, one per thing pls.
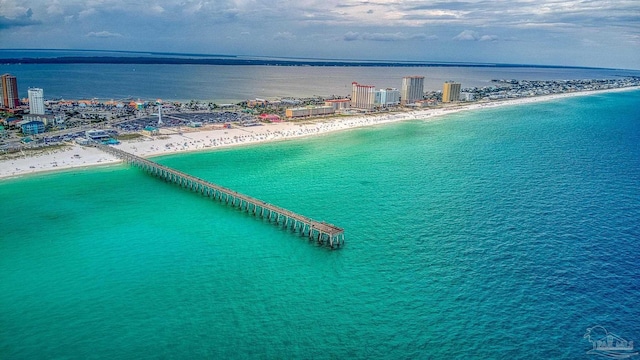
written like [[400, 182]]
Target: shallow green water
[[495, 234]]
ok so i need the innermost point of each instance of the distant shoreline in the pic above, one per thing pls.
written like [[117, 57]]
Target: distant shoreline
[[170, 142], [238, 61]]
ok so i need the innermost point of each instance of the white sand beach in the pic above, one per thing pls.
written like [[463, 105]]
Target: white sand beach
[[169, 141]]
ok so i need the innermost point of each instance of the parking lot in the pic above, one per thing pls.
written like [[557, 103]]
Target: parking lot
[[184, 119]]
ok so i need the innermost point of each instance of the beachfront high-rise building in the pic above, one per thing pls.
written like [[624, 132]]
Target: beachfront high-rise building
[[36, 101], [387, 97], [362, 96], [450, 91], [412, 89], [10, 99]]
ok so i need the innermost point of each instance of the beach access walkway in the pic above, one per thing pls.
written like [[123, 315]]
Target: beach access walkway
[[323, 233]]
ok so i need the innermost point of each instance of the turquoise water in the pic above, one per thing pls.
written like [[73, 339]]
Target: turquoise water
[[500, 233]]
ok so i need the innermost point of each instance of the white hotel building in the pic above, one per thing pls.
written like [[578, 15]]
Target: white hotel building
[[36, 101], [362, 96], [387, 97]]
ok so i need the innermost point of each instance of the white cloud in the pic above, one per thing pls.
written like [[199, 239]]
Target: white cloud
[[87, 13], [157, 9], [103, 34], [363, 25], [470, 35], [467, 35], [54, 8], [287, 36], [397, 36], [12, 9], [488, 38], [351, 36], [16, 17]]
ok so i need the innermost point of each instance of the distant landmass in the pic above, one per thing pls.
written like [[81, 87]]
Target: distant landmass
[[34, 57]]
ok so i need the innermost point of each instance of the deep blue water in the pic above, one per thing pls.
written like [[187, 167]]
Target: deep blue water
[[500, 233]]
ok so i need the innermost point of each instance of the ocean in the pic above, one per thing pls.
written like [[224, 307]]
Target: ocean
[[497, 233]]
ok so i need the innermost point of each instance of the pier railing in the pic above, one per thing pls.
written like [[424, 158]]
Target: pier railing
[[320, 231]]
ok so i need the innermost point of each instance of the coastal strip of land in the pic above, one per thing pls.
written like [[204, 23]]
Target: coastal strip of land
[[233, 60], [72, 156]]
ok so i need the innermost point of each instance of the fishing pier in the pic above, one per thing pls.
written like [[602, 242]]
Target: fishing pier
[[321, 232]]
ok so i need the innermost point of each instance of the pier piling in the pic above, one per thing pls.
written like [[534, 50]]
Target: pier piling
[[322, 232]]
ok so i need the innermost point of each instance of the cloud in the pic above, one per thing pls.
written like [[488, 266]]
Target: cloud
[[397, 36], [543, 27], [157, 9], [54, 8], [489, 38], [389, 16], [505, 14], [467, 35], [19, 20], [87, 13], [470, 35], [287, 36], [103, 34], [351, 36], [225, 9]]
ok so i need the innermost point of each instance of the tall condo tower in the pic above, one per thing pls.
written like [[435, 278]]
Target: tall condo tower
[[362, 96], [387, 97], [36, 101], [450, 91], [412, 89], [159, 113], [10, 97]]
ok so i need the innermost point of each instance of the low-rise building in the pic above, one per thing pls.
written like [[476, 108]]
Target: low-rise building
[[309, 111], [83, 141], [47, 119], [32, 127], [12, 121], [466, 96], [270, 117], [425, 103], [257, 103], [97, 135], [150, 130], [338, 104]]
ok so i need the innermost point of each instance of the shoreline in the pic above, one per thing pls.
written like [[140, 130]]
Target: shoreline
[[169, 142]]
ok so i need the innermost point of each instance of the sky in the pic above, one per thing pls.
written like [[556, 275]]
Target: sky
[[599, 33]]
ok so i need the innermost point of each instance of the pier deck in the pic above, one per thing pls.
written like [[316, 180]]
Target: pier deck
[[320, 231]]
